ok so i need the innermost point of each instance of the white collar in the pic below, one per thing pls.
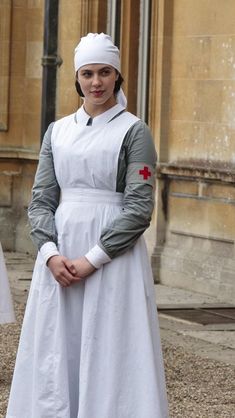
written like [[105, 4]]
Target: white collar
[[82, 118]]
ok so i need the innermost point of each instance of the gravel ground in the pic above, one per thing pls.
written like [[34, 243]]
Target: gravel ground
[[197, 388]]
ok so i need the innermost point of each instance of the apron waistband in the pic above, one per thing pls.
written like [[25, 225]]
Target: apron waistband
[[80, 195]]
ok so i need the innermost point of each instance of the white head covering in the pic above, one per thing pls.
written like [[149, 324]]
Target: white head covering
[[98, 48]]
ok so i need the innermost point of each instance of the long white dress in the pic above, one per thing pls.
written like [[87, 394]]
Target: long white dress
[[6, 306], [91, 350]]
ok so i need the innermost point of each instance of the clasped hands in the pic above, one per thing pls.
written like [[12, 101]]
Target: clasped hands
[[67, 272]]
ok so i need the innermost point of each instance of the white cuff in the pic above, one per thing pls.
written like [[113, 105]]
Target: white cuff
[[96, 256], [47, 250]]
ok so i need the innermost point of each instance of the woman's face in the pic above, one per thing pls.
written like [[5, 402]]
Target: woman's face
[[97, 83]]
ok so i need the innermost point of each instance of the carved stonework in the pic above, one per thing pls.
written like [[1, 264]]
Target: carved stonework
[[5, 32]]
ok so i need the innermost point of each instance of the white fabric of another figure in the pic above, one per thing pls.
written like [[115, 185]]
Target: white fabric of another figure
[[6, 307]]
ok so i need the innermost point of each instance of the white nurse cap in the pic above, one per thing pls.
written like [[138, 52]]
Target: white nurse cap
[[96, 48]]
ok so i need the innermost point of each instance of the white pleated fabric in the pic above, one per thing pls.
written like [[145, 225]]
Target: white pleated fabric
[[6, 306], [96, 48], [91, 350]]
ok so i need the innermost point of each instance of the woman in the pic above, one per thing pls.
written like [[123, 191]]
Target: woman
[[6, 307], [90, 344]]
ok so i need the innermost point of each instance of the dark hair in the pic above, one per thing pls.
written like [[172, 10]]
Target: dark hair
[[117, 86]]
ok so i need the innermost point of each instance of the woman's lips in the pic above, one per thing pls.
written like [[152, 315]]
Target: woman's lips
[[97, 93]]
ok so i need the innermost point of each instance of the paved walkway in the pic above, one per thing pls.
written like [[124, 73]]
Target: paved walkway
[[210, 341], [214, 341]]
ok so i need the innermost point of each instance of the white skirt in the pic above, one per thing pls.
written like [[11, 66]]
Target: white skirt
[[91, 350], [6, 307]]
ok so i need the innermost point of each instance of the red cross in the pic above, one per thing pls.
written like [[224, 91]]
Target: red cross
[[145, 173]]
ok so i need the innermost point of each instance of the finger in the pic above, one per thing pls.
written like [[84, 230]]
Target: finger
[[62, 284], [77, 279], [62, 279], [67, 275], [70, 267]]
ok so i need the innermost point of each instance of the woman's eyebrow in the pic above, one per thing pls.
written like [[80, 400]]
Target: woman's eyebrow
[[100, 69], [105, 68]]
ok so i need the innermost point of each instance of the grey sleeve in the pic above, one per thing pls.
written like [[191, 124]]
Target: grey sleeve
[[136, 178], [45, 196]]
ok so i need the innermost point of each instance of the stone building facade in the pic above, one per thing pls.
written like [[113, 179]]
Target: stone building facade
[[178, 62]]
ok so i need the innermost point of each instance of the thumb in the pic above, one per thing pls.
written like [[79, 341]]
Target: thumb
[[70, 266]]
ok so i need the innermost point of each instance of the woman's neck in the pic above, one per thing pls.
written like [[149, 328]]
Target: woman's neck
[[96, 110]]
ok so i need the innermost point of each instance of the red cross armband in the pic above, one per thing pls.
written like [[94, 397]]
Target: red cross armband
[[140, 173]]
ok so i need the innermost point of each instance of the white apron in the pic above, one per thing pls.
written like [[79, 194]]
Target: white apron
[[6, 307], [91, 350]]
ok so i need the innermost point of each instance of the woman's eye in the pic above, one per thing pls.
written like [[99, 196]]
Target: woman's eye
[[105, 72], [86, 74]]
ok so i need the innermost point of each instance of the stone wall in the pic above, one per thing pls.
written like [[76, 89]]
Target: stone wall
[[16, 178], [21, 50], [196, 198], [20, 140]]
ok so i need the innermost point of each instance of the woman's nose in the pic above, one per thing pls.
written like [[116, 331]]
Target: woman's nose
[[96, 80]]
